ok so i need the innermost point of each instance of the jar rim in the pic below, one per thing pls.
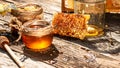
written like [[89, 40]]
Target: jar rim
[[91, 1], [33, 28]]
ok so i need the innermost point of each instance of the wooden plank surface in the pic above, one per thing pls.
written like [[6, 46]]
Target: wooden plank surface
[[67, 52]]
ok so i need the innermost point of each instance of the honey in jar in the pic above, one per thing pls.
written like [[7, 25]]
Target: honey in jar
[[67, 6], [113, 6], [94, 12], [34, 42], [37, 35]]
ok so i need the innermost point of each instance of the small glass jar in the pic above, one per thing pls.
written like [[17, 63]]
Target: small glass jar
[[37, 35], [94, 11]]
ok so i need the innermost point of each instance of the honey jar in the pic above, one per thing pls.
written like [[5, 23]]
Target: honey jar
[[67, 6], [94, 11], [113, 6], [37, 35]]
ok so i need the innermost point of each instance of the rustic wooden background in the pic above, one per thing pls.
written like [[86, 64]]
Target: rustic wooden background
[[67, 52]]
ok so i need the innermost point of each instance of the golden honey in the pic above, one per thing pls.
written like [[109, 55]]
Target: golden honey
[[93, 30], [34, 42], [70, 4], [112, 5], [67, 6], [37, 35]]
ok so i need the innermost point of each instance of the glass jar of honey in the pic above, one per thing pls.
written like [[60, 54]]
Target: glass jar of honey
[[67, 6], [113, 6], [94, 12], [37, 35]]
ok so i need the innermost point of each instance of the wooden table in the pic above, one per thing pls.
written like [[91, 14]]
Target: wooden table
[[67, 52]]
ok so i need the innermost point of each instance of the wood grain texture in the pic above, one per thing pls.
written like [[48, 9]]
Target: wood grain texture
[[67, 52]]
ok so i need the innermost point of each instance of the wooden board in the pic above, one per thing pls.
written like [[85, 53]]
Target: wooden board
[[65, 54]]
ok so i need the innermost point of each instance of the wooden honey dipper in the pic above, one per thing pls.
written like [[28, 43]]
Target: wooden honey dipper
[[4, 44]]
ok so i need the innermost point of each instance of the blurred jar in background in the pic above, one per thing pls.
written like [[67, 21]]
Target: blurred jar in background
[[6, 7], [67, 6], [113, 6], [94, 10], [28, 12], [70, 4]]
